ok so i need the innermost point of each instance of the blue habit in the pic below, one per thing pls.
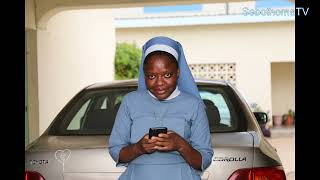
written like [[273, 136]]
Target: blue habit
[[184, 114]]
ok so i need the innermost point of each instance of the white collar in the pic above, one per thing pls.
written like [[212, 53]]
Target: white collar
[[174, 94]]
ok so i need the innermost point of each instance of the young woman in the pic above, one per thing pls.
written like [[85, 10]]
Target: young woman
[[167, 96]]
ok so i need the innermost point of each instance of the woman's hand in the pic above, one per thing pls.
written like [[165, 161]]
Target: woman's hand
[[164, 142], [146, 145], [169, 142], [143, 146], [173, 142]]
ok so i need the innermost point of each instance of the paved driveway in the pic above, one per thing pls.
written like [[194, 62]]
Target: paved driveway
[[284, 141]]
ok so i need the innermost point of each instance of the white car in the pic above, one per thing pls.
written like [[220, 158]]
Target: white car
[[74, 147]]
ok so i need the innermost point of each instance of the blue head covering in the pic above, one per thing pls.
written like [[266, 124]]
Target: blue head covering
[[185, 82]]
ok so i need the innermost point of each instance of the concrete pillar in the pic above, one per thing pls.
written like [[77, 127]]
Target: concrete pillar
[[30, 18], [32, 83]]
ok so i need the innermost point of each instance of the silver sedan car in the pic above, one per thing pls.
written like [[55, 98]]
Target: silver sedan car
[[74, 147]]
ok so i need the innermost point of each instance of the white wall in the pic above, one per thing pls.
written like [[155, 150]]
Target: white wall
[[75, 50], [252, 46]]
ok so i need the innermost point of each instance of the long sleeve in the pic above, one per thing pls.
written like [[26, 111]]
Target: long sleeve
[[120, 134], [200, 138]]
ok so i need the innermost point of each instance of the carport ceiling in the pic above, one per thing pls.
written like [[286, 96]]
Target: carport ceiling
[[47, 8]]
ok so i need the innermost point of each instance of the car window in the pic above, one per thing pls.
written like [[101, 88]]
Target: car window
[[75, 122], [104, 103], [93, 112], [218, 101], [222, 115], [119, 99]]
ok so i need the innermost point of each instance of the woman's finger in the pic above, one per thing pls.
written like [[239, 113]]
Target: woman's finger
[[151, 140], [148, 146], [146, 136], [162, 135], [159, 143], [162, 148], [158, 139], [162, 144]]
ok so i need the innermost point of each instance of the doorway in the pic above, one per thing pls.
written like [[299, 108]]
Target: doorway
[[282, 87]]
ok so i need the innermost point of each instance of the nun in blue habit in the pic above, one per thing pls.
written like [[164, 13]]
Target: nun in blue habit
[[167, 96]]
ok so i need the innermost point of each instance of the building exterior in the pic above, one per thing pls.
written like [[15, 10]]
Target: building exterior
[[71, 44], [255, 53]]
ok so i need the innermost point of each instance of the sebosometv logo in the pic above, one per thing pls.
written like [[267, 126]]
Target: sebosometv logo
[[299, 11], [302, 11]]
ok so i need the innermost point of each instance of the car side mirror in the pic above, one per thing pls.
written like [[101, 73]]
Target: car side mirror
[[261, 117]]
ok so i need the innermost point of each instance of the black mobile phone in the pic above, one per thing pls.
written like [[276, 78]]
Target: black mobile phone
[[155, 131]]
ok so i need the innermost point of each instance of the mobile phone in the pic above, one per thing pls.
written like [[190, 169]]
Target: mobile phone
[[155, 131]]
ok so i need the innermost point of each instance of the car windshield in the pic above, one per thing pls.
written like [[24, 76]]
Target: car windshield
[[92, 112]]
